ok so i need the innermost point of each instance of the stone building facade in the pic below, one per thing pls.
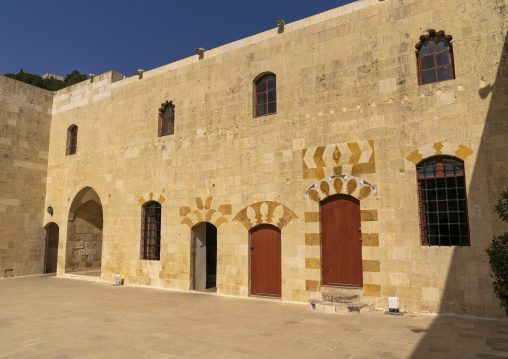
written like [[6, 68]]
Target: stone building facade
[[351, 124]]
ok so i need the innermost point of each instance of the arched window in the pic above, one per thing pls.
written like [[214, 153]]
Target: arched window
[[435, 60], [266, 95], [72, 139], [442, 202], [167, 119], [151, 231]]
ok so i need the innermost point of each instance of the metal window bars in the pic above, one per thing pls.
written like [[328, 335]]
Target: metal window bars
[[442, 202], [151, 231]]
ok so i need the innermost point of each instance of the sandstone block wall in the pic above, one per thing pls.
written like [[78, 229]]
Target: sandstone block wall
[[348, 105], [25, 121], [346, 81], [84, 244]]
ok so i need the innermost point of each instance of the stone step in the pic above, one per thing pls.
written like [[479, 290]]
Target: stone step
[[339, 297], [341, 294], [350, 290], [341, 308]]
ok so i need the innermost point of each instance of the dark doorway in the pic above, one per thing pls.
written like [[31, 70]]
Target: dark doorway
[[265, 251], [204, 256], [51, 257], [342, 245]]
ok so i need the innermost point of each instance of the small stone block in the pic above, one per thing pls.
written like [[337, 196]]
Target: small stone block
[[370, 239], [368, 215], [312, 217], [372, 290], [312, 239]]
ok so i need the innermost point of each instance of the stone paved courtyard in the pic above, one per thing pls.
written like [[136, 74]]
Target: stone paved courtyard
[[49, 317]]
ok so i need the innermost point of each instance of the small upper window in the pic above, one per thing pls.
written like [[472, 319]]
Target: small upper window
[[435, 60], [266, 95], [167, 119], [72, 139], [442, 200]]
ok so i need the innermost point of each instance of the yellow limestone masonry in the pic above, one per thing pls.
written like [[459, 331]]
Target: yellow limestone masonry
[[351, 119]]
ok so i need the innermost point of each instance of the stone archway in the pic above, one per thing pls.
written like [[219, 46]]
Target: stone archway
[[84, 233]]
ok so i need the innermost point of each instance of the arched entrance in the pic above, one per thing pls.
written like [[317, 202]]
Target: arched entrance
[[84, 240], [265, 259], [204, 256], [341, 241], [51, 255]]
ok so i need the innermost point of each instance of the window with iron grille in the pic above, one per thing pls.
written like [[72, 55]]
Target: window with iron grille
[[72, 140], [442, 202], [151, 231], [168, 120], [266, 95], [435, 60]]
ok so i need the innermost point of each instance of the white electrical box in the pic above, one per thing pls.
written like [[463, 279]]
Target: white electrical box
[[393, 304]]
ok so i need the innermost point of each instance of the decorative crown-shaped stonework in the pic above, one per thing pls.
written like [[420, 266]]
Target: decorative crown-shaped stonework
[[151, 196], [163, 107], [204, 213], [439, 149], [430, 33], [341, 184], [265, 212]]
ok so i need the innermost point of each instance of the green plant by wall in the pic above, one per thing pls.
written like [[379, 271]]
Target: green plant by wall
[[497, 252]]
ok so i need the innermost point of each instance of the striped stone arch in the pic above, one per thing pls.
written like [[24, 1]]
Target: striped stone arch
[[151, 196], [341, 184], [439, 149], [265, 212], [204, 213]]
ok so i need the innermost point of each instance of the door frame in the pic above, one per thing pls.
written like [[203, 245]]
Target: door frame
[[357, 202], [47, 228], [250, 260]]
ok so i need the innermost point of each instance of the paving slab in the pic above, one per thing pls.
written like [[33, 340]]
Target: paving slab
[[52, 317]]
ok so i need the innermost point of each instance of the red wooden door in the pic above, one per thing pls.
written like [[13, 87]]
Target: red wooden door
[[265, 261], [342, 245]]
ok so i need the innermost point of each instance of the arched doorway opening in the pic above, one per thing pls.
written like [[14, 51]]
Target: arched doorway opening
[[265, 259], [341, 241], [84, 240], [204, 257], [51, 254]]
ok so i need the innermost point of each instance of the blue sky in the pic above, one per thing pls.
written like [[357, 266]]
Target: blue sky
[[93, 36]]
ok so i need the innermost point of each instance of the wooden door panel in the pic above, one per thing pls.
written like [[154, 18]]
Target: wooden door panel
[[266, 261], [341, 242]]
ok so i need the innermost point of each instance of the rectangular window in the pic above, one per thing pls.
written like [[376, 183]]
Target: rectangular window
[[72, 140], [151, 231], [168, 120], [266, 96], [435, 60], [442, 202]]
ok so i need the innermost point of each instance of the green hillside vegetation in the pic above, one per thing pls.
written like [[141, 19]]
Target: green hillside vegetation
[[49, 84]]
